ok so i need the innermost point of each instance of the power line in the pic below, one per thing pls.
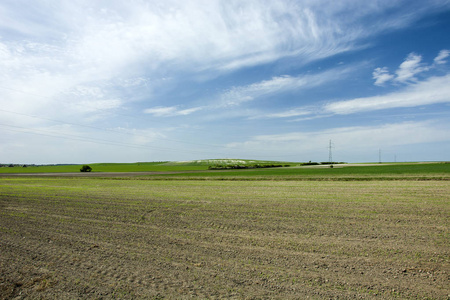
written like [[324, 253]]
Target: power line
[[107, 142], [120, 132], [107, 111], [94, 127], [109, 130], [106, 129], [85, 139]]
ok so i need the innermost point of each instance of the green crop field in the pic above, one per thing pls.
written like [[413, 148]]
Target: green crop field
[[193, 169], [342, 172], [370, 232], [106, 167]]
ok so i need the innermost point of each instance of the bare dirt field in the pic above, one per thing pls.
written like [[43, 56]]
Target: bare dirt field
[[92, 238]]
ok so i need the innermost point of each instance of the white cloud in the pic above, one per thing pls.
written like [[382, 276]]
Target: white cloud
[[96, 105], [440, 59], [431, 91], [279, 84], [381, 76], [409, 68], [207, 34], [100, 37], [66, 60], [238, 95], [161, 111], [170, 111], [296, 112], [49, 49]]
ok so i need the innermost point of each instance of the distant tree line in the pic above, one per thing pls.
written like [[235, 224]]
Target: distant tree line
[[13, 165], [322, 163], [234, 167], [256, 166]]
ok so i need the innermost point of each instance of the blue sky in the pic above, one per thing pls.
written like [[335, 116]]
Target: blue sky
[[127, 81]]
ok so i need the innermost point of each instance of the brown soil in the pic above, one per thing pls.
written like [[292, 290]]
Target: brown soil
[[188, 240]]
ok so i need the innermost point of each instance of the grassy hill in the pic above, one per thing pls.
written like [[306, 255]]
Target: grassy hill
[[226, 161], [164, 166]]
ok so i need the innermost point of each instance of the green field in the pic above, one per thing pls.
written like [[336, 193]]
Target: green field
[[199, 170], [339, 172], [106, 167]]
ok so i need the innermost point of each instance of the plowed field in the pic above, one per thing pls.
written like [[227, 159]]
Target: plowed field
[[92, 238]]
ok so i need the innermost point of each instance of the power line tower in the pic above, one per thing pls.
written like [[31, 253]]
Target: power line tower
[[330, 155]]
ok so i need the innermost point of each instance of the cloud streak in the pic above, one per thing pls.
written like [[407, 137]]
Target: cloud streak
[[170, 111], [431, 91], [381, 76], [440, 59], [278, 85]]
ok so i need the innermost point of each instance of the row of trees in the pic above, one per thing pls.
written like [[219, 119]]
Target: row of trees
[[310, 163], [235, 167], [12, 165], [84, 168]]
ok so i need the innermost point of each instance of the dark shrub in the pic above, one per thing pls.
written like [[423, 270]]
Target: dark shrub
[[85, 168]]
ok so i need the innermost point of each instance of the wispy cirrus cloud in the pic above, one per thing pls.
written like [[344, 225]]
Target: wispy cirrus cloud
[[295, 112], [381, 76], [279, 84], [97, 38], [170, 111], [440, 59], [240, 94], [98, 44]]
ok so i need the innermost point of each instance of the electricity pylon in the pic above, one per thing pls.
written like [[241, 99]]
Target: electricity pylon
[[330, 156]]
